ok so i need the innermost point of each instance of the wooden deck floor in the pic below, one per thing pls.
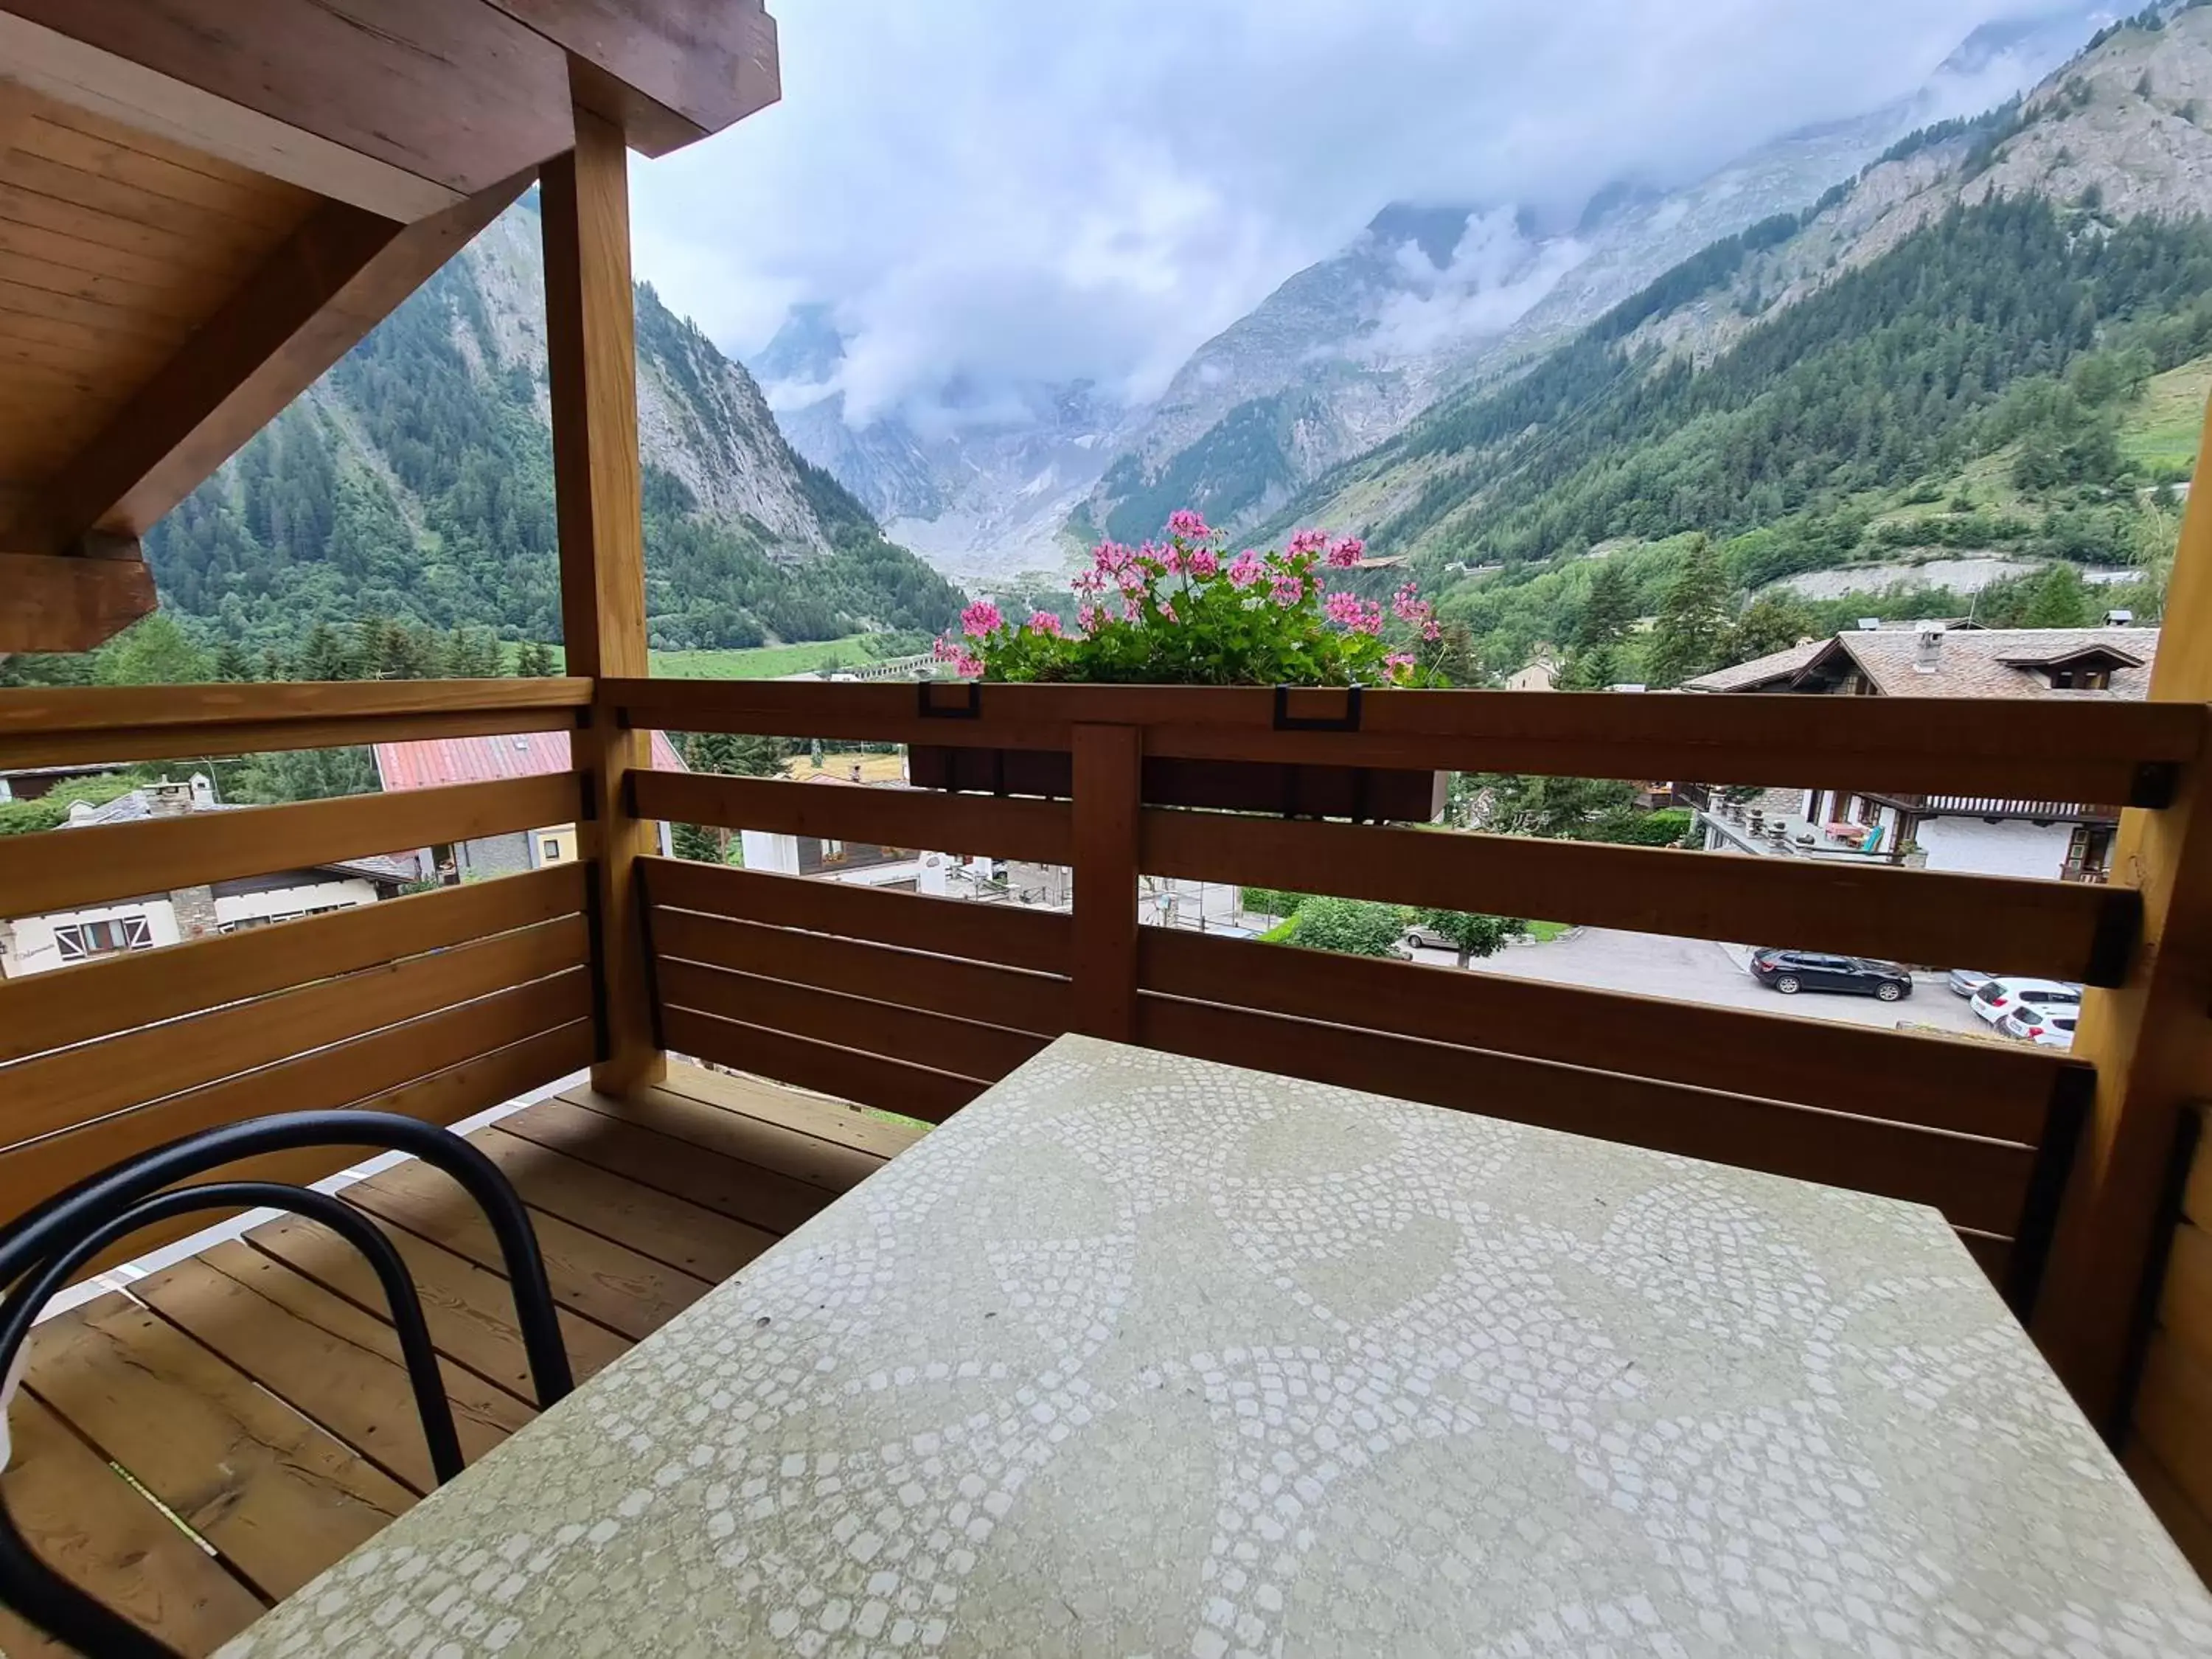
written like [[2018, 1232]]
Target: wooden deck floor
[[256, 1391]]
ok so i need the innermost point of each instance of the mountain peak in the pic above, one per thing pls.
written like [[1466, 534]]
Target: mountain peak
[[1435, 230]]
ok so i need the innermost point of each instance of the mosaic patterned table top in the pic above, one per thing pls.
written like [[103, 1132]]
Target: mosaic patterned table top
[[1142, 1355]]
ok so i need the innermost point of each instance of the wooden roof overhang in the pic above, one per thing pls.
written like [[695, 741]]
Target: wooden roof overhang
[[204, 204]]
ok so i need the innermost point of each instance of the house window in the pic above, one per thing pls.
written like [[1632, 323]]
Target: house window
[[832, 852], [551, 848], [81, 941], [2080, 679]]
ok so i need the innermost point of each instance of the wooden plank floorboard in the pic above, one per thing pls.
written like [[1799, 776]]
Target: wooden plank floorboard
[[469, 1310], [833, 1165], [498, 1410], [280, 1499], [749, 1193], [106, 1539], [622, 1288], [256, 1390], [671, 1231], [355, 1394]]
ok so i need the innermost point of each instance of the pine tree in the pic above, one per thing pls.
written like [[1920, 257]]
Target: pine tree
[[2061, 600], [231, 662], [534, 660], [1691, 636], [327, 657], [1610, 609], [693, 840]]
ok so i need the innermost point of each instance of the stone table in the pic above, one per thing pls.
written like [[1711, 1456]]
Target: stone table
[[1144, 1355]]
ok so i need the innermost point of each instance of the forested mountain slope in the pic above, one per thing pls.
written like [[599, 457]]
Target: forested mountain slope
[[414, 481], [1946, 354], [1430, 300]]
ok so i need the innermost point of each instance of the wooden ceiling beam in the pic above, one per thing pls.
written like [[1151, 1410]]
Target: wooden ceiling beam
[[86, 78], [401, 106], [56, 602], [666, 72], [334, 278]]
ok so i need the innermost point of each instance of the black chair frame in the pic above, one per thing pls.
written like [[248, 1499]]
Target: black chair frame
[[43, 1249]]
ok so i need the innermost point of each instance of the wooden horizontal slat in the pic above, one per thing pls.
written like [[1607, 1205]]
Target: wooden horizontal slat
[[938, 1040], [1007, 934], [2065, 930], [2174, 1416], [66, 869], [912, 819], [1892, 743], [891, 1086], [72, 1086], [44, 710], [441, 1069], [2184, 1306], [945, 985], [144, 743], [1976, 1183], [1970, 1088], [2196, 1194], [50, 1010]]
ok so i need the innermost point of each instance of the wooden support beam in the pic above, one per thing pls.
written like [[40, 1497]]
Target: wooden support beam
[[334, 278], [591, 332], [665, 72], [58, 602], [1109, 760], [2150, 1039]]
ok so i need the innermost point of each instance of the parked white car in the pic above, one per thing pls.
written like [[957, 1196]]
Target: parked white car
[[2045, 1027], [2001, 996]]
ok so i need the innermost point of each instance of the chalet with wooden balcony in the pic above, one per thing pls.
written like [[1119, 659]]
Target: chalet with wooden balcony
[[2019, 671], [1042, 1278]]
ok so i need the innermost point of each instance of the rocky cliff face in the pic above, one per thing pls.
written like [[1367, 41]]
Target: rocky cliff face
[[979, 486], [414, 481]]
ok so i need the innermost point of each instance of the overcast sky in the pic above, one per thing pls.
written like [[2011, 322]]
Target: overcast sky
[[1056, 188]]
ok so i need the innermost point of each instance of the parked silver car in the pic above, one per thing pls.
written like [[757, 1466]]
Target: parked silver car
[[1965, 981]]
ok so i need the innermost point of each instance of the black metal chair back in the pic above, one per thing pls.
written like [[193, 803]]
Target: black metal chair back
[[42, 1250]]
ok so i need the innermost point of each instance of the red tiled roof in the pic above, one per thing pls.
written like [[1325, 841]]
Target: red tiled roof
[[436, 761]]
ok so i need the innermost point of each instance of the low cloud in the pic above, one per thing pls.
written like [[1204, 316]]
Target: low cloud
[[994, 192]]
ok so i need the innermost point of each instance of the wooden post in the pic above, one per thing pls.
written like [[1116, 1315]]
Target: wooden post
[[2151, 1040], [591, 343], [1108, 761]]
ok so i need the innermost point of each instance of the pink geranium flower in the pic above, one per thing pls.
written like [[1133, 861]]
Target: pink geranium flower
[[980, 618], [1245, 570], [1289, 588], [1204, 563], [1188, 525], [1304, 541], [1045, 622], [1345, 554]]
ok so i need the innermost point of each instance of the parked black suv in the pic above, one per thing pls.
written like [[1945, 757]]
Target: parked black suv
[[1792, 971]]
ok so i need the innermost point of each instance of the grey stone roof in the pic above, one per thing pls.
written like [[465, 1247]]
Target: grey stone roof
[[1994, 662]]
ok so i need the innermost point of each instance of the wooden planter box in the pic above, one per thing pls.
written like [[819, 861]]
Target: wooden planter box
[[1331, 792]]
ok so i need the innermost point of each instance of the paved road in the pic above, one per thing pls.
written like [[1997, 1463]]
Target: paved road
[[1697, 971]]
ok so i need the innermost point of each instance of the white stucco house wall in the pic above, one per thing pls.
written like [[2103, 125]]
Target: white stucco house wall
[[62, 939]]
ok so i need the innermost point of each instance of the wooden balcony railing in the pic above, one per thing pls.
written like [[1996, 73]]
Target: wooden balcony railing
[[437, 1004], [441, 1004], [918, 1004]]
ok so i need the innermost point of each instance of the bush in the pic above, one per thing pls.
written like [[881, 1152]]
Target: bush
[[1353, 927], [1272, 902]]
